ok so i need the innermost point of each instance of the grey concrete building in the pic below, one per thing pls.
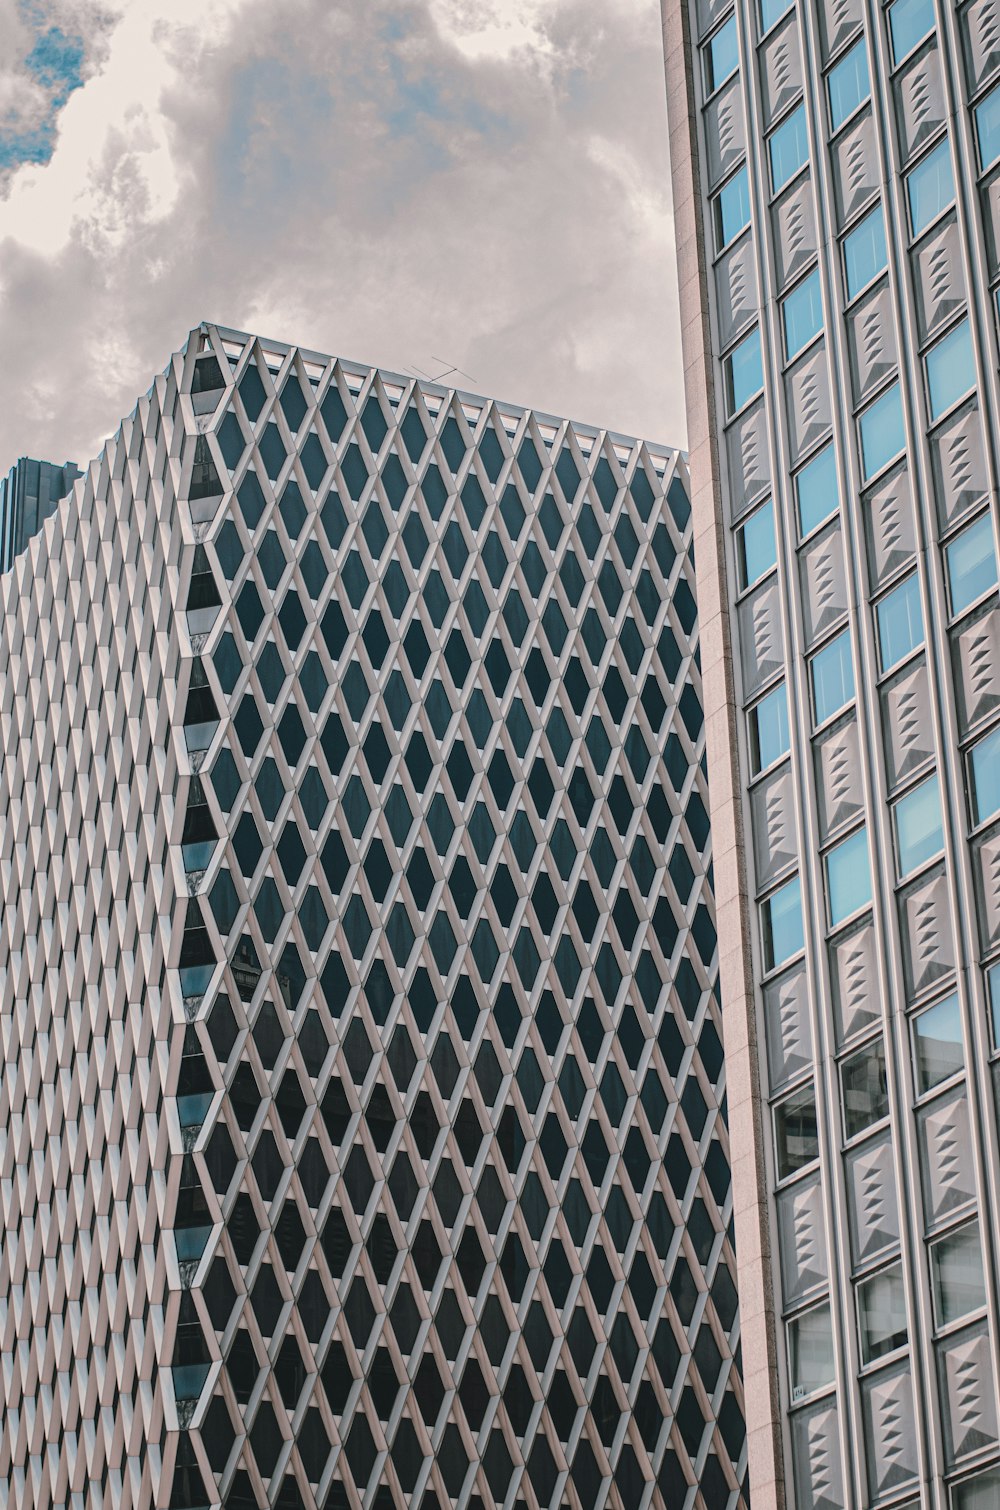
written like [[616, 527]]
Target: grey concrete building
[[837, 199], [29, 495], [363, 1135]]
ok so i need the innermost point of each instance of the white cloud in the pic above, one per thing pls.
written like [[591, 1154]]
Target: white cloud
[[482, 182]]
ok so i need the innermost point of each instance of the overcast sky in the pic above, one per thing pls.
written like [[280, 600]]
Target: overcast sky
[[414, 183]]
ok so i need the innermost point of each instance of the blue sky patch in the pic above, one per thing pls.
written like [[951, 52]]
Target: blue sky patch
[[56, 64]]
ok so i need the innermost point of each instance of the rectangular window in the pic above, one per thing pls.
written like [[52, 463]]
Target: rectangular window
[[810, 1352], [769, 730], [865, 1088], [930, 187], [796, 1137], [957, 1277], [848, 877], [900, 623], [993, 989], [882, 1314], [744, 372], [864, 252], [802, 314], [882, 433], [972, 564], [721, 55], [788, 148], [755, 548], [910, 21], [816, 491], [937, 1044], [832, 677], [847, 84], [950, 370], [919, 834], [988, 129], [984, 777], [772, 11], [781, 916], [732, 209]]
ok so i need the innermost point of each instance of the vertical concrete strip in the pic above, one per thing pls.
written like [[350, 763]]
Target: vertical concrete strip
[[734, 905]]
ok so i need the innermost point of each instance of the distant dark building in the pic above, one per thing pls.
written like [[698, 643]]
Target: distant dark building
[[28, 496]]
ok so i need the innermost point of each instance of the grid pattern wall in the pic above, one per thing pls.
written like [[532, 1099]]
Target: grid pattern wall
[[850, 204], [363, 1100]]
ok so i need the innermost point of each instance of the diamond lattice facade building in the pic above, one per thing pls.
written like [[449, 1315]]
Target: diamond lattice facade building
[[837, 181], [362, 1114]]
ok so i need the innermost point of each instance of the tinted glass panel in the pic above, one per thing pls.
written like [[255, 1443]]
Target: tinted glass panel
[[988, 128], [848, 84], [882, 1314], [782, 922], [972, 564], [744, 373], [721, 55], [984, 773], [957, 1277], [865, 1088], [732, 209], [937, 1044], [796, 1139], [802, 313], [832, 677], [900, 622], [909, 22], [918, 826], [810, 1352], [771, 11], [864, 252], [817, 491], [755, 545], [848, 877], [769, 729], [950, 371], [788, 148], [930, 187], [882, 434]]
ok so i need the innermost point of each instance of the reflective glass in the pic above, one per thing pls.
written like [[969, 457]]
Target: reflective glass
[[882, 434], [788, 148], [848, 84], [950, 371], [930, 187], [755, 545], [802, 313], [865, 1088], [769, 729], [910, 21], [972, 564], [919, 834], [848, 877], [744, 372], [810, 1351], [988, 128], [993, 984], [980, 1493], [832, 677], [937, 1043], [817, 491], [782, 922], [882, 1314], [721, 55], [984, 773], [900, 622], [957, 1277], [771, 11], [732, 209], [864, 252], [796, 1138]]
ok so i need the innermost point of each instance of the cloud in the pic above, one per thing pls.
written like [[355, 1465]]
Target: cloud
[[416, 183]]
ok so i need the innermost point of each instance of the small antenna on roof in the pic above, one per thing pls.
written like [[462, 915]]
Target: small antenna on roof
[[448, 371]]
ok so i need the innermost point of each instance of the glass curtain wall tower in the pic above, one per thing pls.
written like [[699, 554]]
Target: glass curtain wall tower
[[835, 168]]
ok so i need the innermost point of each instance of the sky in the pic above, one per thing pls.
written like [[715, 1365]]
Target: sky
[[421, 184]]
